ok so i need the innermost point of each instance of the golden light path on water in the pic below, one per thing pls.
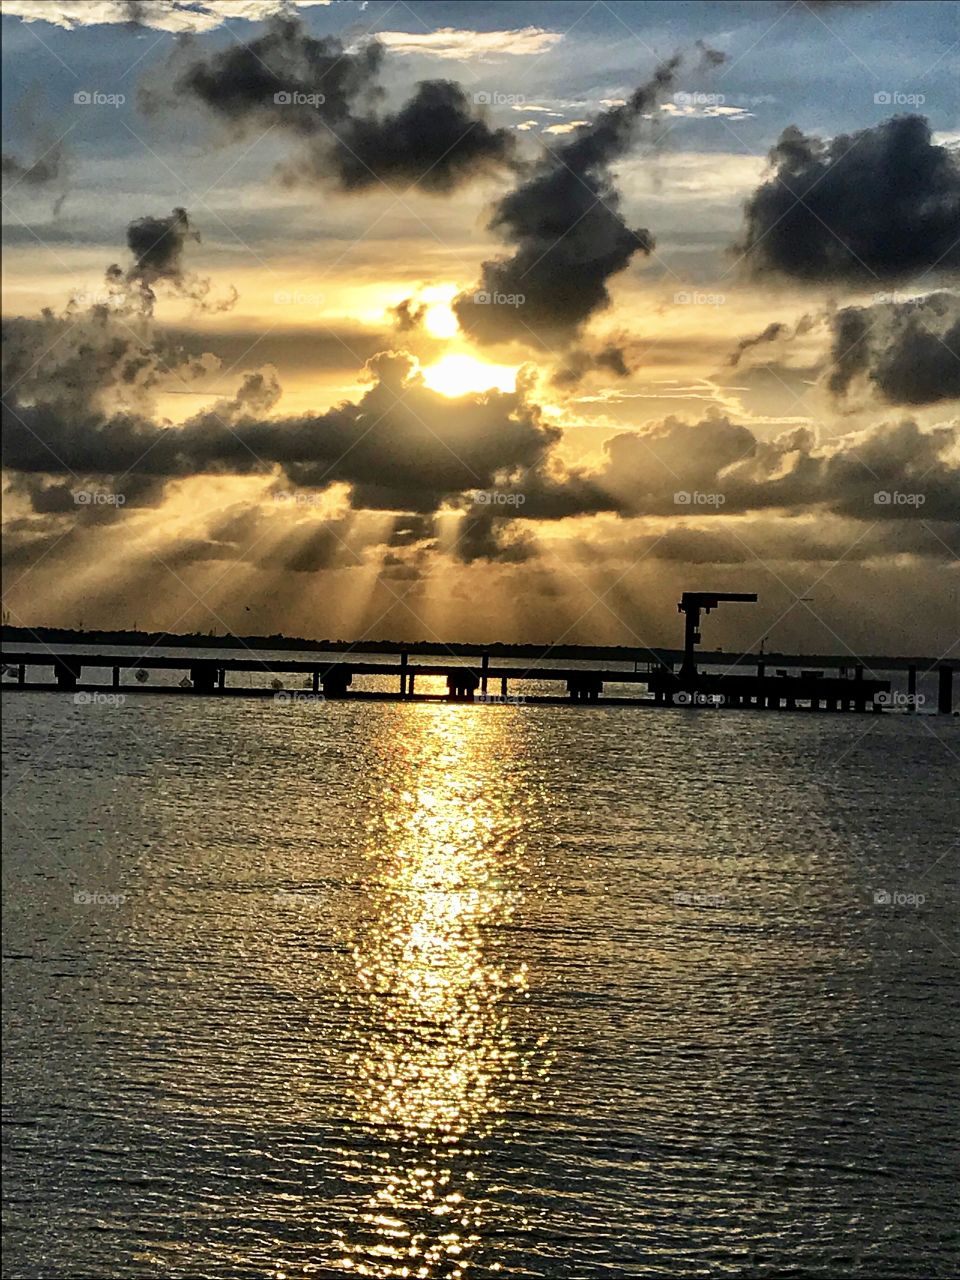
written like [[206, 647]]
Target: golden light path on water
[[442, 1058]]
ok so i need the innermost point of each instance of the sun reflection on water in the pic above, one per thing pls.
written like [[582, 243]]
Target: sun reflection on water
[[442, 1059]]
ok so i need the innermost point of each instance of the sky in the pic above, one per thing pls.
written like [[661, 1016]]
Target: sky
[[470, 322]]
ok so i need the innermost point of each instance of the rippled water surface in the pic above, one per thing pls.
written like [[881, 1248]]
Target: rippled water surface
[[301, 990]]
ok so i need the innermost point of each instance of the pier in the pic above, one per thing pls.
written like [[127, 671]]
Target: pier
[[654, 684]]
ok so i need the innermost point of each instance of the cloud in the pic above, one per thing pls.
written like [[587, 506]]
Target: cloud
[[80, 404], [88, 364], [797, 472], [449, 42], [788, 543], [46, 165], [80, 411], [284, 77], [47, 170], [157, 245], [770, 334], [907, 351], [326, 98], [570, 127], [483, 535], [408, 314], [611, 357], [568, 233], [435, 142], [882, 204], [400, 447], [176, 16]]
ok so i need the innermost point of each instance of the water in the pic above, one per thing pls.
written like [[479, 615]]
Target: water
[[304, 990]]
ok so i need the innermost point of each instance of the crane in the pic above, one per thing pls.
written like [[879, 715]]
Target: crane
[[691, 604]]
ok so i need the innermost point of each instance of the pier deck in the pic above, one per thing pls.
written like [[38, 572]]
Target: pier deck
[[479, 681]]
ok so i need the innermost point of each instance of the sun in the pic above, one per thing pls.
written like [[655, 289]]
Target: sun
[[440, 321], [459, 375]]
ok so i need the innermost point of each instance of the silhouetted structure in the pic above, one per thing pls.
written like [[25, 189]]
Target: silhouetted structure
[[585, 686], [845, 688], [335, 679], [691, 602], [462, 684]]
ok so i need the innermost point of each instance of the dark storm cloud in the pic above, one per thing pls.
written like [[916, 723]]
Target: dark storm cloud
[[847, 351], [881, 204], [158, 245], [401, 447], [405, 447], [611, 358], [796, 472], [284, 77], [568, 233], [435, 142], [79, 404], [919, 366], [482, 534], [907, 351], [326, 97]]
